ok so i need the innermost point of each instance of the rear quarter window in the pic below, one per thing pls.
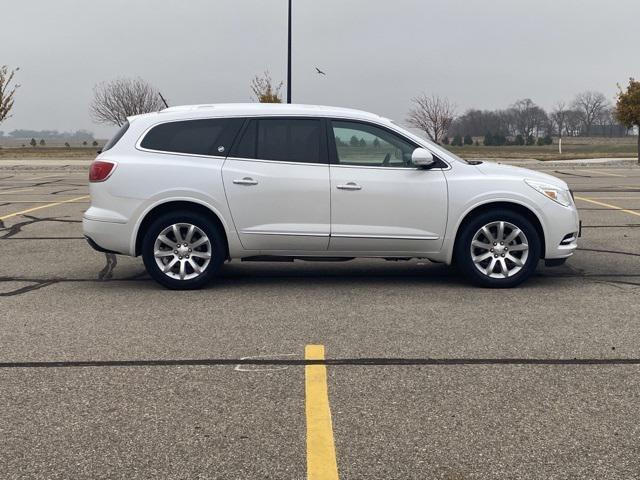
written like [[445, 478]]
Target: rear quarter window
[[116, 138], [196, 137]]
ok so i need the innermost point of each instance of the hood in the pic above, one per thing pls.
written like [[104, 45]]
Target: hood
[[496, 169]]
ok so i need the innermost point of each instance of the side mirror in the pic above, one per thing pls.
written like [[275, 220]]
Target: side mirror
[[422, 158]]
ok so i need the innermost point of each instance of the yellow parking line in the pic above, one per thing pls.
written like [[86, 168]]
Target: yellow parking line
[[615, 198], [321, 450], [602, 173], [29, 210], [608, 205], [9, 192], [36, 201]]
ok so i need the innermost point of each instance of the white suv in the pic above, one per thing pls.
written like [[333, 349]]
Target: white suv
[[191, 187]]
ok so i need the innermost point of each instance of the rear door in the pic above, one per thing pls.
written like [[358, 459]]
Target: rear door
[[276, 179]]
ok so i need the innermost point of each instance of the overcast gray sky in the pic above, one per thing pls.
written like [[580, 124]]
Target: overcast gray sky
[[377, 54]]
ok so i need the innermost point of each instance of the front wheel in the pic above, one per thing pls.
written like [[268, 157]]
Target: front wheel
[[498, 248], [182, 250]]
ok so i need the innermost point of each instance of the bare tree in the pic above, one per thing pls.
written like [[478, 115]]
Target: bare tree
[[605, 122], [559, 117], [114, 101], [7, 91], [264, 90], [480, 122], [528, 117], [590, 105], [433, 115], [572, 123]]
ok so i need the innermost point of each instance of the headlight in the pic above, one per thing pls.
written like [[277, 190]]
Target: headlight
[[557, 194]]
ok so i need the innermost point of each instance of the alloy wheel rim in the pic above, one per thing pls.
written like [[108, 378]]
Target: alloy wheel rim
[[499, 249], [182, 251]]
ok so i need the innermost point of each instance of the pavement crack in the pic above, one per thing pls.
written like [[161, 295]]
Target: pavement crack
[[617, 283], [28, 288], [606, 190], [49, 182], [62, 191], [374, 361], [39, 283], [616, 252], [628, 225], [572, 174], [43, 238], [17, 227]]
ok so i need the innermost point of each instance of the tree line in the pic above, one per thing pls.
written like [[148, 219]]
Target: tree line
[[77, 136], [34, 143], [522, 123]]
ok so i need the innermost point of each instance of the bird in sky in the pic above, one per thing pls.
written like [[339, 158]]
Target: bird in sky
[[320, 71]]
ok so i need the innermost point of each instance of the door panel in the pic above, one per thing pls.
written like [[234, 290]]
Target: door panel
[[394, 210], [277, 184], [278, 205], [380, 202]]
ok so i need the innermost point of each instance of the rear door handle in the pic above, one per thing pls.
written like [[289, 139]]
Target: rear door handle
[[245, 181], [349, 186]]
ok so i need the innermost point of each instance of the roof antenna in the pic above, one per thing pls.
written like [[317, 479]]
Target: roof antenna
[[163, 100]]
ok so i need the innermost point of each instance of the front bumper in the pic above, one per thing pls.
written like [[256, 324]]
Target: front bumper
[[563, 228]]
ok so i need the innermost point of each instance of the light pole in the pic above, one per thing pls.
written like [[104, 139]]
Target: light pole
[[289, 58]]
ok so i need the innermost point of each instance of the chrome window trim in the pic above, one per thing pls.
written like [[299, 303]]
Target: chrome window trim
[[196, 155], [284, 162], [441, 169], [381, 168]]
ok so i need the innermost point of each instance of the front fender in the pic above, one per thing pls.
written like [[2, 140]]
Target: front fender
[[462, 211]]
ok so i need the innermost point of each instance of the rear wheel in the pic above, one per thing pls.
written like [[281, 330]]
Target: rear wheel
[[499, 248], [182, 250]]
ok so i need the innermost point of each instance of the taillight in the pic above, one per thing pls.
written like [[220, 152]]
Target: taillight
[[100, 170]]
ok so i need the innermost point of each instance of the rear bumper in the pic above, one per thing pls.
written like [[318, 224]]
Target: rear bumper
[[97, 247], [108, 237]]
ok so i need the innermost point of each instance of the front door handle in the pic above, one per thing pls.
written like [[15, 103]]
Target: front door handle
[[349, 186], [245, 181]]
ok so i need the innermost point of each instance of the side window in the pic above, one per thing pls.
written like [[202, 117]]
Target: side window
[[200, 137], [282, 139], [368, 145]]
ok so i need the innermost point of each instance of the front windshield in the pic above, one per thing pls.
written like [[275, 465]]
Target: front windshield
[[420, 137]]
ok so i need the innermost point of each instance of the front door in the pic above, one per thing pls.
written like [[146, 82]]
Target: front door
[[380, 202], [276, 179]]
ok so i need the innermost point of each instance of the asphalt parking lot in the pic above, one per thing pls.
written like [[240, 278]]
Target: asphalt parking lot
[[103, 374]]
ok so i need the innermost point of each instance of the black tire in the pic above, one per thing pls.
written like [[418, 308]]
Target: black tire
[[217, 250], [463, 253]]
